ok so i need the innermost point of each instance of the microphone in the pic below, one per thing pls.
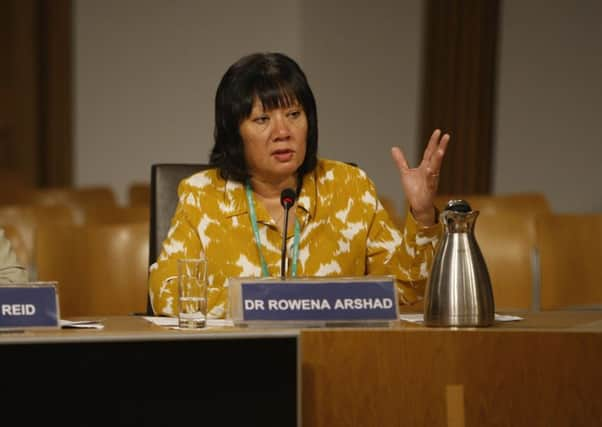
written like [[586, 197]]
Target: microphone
[[287, 200]]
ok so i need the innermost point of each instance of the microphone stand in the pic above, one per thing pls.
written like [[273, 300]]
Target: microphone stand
[[285, 232], [287, 200]]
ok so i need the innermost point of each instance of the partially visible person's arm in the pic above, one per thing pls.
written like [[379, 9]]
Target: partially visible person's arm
[[10, 270], [406, 254], [182, 241]]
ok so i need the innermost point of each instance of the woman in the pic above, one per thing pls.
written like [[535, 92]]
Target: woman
[[266, 140], [10, 270]]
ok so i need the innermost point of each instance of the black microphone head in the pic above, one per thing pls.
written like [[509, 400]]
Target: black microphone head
[[287, 198]]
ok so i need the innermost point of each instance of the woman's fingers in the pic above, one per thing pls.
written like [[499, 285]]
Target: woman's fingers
[[431, 146], [437, 156], [432, 158], [400, 159]]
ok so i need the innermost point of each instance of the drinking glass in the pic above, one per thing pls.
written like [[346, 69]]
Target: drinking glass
[[192, 289]]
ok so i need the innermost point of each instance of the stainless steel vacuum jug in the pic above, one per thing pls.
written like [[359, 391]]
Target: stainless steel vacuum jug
[[458, 291]]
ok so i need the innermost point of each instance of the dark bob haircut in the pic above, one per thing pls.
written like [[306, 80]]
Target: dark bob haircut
[[278, 82]]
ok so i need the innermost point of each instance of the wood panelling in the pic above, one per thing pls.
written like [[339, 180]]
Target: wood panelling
[[409, 377], [459, 69], [56, 155], [19, 86], [570, 251], [35, 90]]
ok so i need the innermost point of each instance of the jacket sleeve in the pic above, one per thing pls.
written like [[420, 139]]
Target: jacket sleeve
[[10, 270], [182, 241], [406, 254]]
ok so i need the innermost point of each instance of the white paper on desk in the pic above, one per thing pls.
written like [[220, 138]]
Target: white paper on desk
[[173, 321], [81, 324], [419, 317], [506, 318]]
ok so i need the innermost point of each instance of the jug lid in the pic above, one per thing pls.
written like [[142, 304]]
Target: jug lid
[[458, 205], [458, 217]]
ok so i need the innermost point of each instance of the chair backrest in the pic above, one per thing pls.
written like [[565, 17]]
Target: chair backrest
[[530, 203], [117, 214], [79, 199], [165, 179], [25, 219], [100, 269], [507, 240], [139, 194], [570, 254], [505, 231]]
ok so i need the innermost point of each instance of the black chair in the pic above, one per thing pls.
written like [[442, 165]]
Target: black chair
[[163, 201]]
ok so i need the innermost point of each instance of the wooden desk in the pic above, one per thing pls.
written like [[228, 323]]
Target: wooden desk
[[542, 371]]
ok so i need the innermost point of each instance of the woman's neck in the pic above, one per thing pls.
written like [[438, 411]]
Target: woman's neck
[[271, 189]]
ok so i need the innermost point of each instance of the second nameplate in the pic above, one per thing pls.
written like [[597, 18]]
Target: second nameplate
[[313, 301]]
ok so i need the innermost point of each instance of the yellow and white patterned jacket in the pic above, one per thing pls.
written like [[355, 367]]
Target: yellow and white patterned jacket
[[344, 232]]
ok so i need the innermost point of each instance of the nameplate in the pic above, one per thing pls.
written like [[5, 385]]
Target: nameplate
[[314, 300], [29, 305]]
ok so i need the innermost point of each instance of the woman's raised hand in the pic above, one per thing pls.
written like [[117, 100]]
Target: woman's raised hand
[[420, 184]]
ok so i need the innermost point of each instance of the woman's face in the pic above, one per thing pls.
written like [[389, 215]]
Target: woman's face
[[274, 141]]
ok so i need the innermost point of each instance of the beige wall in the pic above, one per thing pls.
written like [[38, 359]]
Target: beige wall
[[549, 97], [364, 61], [146, 73]]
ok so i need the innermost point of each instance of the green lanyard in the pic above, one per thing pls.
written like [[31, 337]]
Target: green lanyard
[[264, 266]]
